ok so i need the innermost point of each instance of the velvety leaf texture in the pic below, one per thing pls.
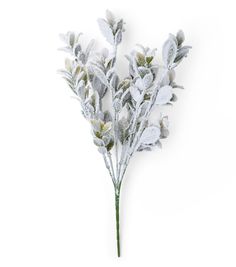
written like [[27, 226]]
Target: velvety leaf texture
[[125, 114]]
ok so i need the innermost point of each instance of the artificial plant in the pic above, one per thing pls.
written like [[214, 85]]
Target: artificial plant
[[118, 109]]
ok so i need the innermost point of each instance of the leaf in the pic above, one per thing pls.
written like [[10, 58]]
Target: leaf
[[98, 86], [164, 127], [139, 84], [150, 135], [120, 25], [117, 104], [106, 31], [118, 37], [147, 80], [180, 37], [68, 65], [106, 127], [143, 108], [77, 49], [114, 81], [110, 17], [135, 93], [183, 52], [102, 150], [164, 95], [110, 145], [169, 51], [143, 71], [107, 116], [123, 125], [94, 101], [149, 59], [140, 59], [100, 75], [72, 39], [89, 47]]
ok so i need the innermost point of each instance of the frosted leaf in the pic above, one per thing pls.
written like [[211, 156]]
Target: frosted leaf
[[89, 47], [79, 76], [174, 98], [169, 51], [100, 74], [117, 104], [120, 25], [118, 37], [80, 89], [107, 116], [147, 80], [164, 95], [110, 17], [143, 108], [140, 59], [150, 135], [114, 81], [135, 93], [98, 86], [123, 125], [143, 71], [98, 141], [88, 110], [77, 49], [106, 31], [68, 65], [180, 37], [171, 75], [102, 150], [183, 52], [72, 39]]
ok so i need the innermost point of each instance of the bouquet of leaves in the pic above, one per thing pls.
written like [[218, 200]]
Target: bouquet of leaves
[[118, 109]]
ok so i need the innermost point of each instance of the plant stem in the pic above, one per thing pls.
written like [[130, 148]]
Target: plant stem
[[117, 206]]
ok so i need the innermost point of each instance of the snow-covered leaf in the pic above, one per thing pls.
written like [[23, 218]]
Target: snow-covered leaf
[[110, 17], [89, 47], [135, 93], [98, 86], [164, 95], [77, 49], [169, 51], [123, 125], [100, 74], [180, 37], [106, 30], [147, 80], [150, 135], [118, 37], [183, 52], [68, 65]]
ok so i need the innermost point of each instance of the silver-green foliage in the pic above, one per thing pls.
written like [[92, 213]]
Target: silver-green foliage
[[124, 126]]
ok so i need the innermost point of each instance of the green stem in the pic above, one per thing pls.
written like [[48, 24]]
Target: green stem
[[117, 206]]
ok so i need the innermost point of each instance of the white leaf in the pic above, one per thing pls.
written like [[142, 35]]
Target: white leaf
[[139, 84], [100, 75], [110, 17], [89, 47], [147, 80], [118, 37], [164, 95], [169, 51], [68, 65], [150, 135], [180, 37], [98, 86], [106, 31], [135, 93]]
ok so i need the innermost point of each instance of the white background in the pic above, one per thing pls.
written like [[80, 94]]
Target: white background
[[56, 198]]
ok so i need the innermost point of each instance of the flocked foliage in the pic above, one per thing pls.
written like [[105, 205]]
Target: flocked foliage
[[123, 127]]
